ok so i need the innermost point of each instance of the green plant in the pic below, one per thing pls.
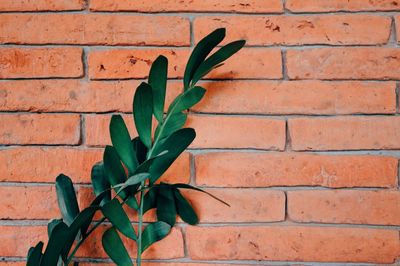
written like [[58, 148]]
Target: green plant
[[131, 168]]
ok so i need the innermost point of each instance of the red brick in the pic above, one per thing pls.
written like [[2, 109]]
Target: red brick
[[40, 62], [242, 6], [240, 169], [84, 29], [93, 247], [39, 129], [341, 5], [41, 5], [15, 241], [345, 206], [298, 30], [293, 243], [31, 164], [122, 64], [160, 264], [247, 205], [344, 63], [345, 133], [297, 97], [60, 95], [255, 132]]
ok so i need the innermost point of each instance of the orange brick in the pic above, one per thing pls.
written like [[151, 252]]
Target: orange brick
[[293, 243], [237, 132], [39, 129], [30, 164], [297, 30], [345, 206], [297, 97], [341, 5], [161, 250], [84, 29], [60, 95], [344, 63], [40, 62], [397, 20], [240, 169], [160, 264], [41, 5], [345, 133], [121, 64], [15, 241], [243, 6], [247, 205]]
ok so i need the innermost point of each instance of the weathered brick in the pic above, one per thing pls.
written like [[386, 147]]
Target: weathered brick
[[246, 205], [345, 206], [39, 129], [60, 95], [255, 132], [15, 241], [298, 30], [297, 97], [122, 64], [239, 169], [345, 133], [341, 5], [84, 29], [41, 5], [293, 243], [40, 62], [344, 63], [242, 6], [31, 164]]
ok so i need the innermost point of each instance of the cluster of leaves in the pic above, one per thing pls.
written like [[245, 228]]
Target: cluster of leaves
[[131, 167]]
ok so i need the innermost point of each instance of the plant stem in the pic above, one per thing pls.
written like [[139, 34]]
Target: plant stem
[[139, 242], [71, 256]]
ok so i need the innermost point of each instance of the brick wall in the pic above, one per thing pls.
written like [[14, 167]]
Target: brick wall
[[300, 131]]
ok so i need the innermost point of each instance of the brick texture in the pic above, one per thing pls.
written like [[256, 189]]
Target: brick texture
[[299, 131]]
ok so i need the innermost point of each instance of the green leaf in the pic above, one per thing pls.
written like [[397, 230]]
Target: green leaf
[[187, 99], [166, 210], [185, 209], [175, 122], [186, 186], [145, 166], [100, 182], [121, 140], [55, 245], [175, 144], [154, 232], [143, 112], [158, 83], [218, 57], [66, 197], [52, 224], [200, 52], [140, 149], [35, 255], [150, 199], [115, 249], [133, 180], [114, 212]]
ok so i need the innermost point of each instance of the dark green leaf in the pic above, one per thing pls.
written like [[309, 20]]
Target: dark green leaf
[[175, 121], [143, 112], [218, 57], [145, 166], [52, 224], [200, 52], [166, 210], [115, 249], [34, 255], [150, 199], [66, 198], [100, 182], [114, 212], [187, 99], [140, 149], [154, 232], [133, 180], [122, 142], [175, 144], [186, 186], [185, 209], [55, 245], [158, 83]]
